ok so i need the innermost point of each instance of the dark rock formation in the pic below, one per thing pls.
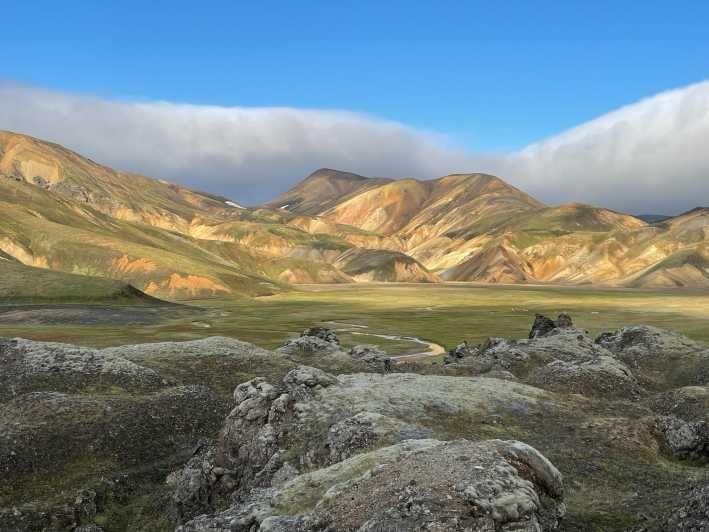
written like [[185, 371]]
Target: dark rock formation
[[323, 333], [543, 325]]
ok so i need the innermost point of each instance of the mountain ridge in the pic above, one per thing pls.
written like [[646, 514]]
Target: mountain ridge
[[61, 211]]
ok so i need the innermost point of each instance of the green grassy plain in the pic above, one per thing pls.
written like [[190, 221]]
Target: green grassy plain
[[442, 313], [24, 284], [600, 472]]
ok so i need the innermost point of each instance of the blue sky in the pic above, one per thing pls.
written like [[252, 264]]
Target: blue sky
[[496, 75], [602, 102]]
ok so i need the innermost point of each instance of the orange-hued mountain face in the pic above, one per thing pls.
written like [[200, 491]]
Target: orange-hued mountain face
[[61, 211], [476, 227], [321, 190]]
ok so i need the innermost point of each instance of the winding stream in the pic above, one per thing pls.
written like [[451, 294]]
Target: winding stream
[[432, 349]]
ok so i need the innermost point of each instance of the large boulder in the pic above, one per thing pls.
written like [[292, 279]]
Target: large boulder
[[660, 359], [313, 419], [414, 485], [28, 365], [543, 325], [684, 439], [599, 376], [372, 356]]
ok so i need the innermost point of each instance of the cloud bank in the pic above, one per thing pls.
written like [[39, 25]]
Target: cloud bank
[[646, 157]]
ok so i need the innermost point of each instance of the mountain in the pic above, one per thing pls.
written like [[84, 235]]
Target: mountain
[[63, 212], [653, 218], [476, 227], [383, 266], [25, 284], [322, 189], [126, 196], [683, 243]]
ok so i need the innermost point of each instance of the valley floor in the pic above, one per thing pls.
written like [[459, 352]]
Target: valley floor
[[444, 314], [136, 413]]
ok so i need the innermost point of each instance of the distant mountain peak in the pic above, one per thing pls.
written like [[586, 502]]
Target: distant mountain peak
[[322, 189]]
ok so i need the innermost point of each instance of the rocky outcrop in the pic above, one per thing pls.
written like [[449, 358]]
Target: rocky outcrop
[[690, 403], [659, 358], [543, 325], [413, 485], [372, 356], [643, 341], [351, 452], [556, 357], [193, 488], [212, 346], [313, 420], [319, 340], [32, 366], [603, 375], [684, 439], [460, 352]]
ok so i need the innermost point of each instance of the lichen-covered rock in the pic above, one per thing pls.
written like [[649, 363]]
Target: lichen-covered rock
[[309, 345], [315, 340], [642, 341], [692, 514], [312, 419], [549, 341], [193, 488], [659, 358], [522, 356], [684, 439], [212, 346], [461, 351], [367, 430], [33, 366], [372, 356], [690, 403], [414, 485], [604, 375], [556, 357]]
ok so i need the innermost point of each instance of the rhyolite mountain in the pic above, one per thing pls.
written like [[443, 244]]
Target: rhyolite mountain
[[476, 227], [64, 212]]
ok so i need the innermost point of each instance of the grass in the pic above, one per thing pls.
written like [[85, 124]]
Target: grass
[[25, 284], [598, 459], [445, 314]]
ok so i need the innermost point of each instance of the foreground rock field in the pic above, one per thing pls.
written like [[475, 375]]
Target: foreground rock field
[[557, 431]]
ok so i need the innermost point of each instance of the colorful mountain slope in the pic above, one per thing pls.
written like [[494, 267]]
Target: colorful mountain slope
[[63, 212]]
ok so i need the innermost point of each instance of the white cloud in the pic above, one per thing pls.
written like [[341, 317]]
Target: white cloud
[[650, 156], [232, 150]]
